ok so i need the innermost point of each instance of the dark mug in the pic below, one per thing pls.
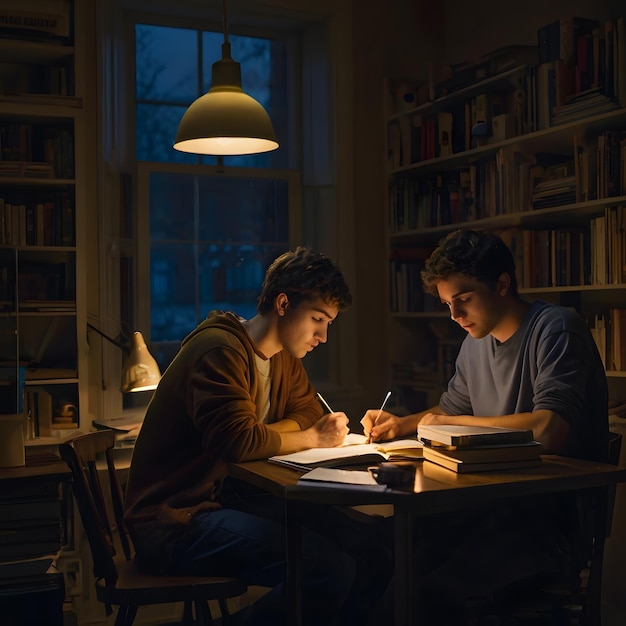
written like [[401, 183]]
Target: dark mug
[[394, 474]]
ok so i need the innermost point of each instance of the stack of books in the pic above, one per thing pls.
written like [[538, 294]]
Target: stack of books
[[466, 449]]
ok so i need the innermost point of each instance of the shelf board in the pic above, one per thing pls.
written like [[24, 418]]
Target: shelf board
[[50, 376], [27, 181], [553, 139], [43, 100], [420, 314], [474, 89], [613, 374], [579, 211], [566, 288]]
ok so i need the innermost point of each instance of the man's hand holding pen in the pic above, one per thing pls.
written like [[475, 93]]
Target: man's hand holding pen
[[371, 424], [332, 428]]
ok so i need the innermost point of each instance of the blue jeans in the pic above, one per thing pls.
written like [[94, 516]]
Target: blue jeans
[[343, 575]]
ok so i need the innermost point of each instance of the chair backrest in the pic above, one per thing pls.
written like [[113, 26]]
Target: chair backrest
[[615, 449], [592, 609], [81, 454]]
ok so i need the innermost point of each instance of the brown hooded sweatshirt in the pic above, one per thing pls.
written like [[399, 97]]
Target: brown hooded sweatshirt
[[203, 416]]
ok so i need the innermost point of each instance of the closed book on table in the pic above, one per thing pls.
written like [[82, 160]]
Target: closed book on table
[[464, 467], [486, 454], [452, 435]]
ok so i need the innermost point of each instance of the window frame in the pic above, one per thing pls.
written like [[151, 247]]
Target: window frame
[[142, 302]]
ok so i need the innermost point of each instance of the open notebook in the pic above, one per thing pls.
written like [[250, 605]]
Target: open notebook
[[354, 451]]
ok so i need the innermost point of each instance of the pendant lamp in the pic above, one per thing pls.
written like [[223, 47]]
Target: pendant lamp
[[225, 121]]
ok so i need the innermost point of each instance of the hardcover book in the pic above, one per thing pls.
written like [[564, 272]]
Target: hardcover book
[[487, 454], [463, 467], [452, 435]]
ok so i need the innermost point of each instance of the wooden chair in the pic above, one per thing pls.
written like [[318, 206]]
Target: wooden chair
[[591, 613], [578, 603], [119, 582]]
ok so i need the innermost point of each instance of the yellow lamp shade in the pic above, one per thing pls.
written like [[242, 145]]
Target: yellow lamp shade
[[225, 121]]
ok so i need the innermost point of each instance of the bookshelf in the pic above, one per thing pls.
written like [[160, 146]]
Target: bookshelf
[[541, 162], [48, 172], [41, 139]]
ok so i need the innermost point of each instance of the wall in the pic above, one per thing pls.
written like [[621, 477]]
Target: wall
[[392, 39]]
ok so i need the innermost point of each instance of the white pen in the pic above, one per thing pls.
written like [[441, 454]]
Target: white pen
[[380, 411], [319, 395]]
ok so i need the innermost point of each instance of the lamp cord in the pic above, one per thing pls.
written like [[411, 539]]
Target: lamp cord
[[224, 21], [116, 343]]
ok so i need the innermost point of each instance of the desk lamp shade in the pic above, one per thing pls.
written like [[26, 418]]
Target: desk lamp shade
[[141, 372], [225, 121]]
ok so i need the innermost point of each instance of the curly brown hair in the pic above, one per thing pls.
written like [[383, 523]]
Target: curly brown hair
[[304, 275], [472, 253]]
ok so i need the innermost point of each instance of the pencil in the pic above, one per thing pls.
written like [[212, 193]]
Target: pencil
[[380, 411], [319, 395]]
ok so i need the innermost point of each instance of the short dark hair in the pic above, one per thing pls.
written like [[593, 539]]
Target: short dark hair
[[473, 253], [304, 275]]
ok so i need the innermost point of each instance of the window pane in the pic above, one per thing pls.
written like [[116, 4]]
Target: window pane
[[156, 129], [245, 210], [161, 75], [254, 56], [172, 207], [211, 240]]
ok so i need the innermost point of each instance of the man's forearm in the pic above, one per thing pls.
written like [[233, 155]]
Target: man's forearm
[[548, 428]]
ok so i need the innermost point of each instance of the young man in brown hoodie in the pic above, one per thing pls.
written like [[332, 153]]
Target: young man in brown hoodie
[[237, 391]]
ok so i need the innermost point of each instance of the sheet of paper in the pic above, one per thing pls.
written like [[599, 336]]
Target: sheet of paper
[[351, 477], [326, 478]]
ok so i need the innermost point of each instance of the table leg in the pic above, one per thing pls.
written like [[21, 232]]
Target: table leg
[[293, 530], [403, 566]]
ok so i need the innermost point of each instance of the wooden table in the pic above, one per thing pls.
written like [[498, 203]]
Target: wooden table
[[435, 490]]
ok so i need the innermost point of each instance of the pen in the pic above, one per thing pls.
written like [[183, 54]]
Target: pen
[[319, 395], [382, 406]]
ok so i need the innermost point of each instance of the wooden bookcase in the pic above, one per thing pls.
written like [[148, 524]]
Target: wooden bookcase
[[479, 152], [48, 171], [41, 115]]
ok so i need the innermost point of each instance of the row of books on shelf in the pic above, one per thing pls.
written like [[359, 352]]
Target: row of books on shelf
[[26, 169], [477, 121], [581, 75], [37, 143], [591, 48], [406, 294], [574, 256], [606, 330], [31, 520], [41, 288], [33, 223], [593, 52], [421, 137], [465, 449], [18, 79], [40, 21], [578, 256], [513, 181]]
